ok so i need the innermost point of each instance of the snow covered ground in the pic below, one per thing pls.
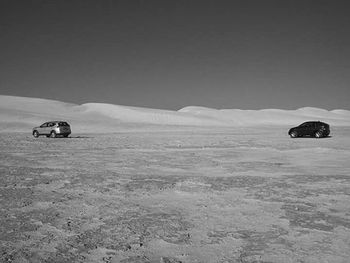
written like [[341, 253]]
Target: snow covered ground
[[204, 194]]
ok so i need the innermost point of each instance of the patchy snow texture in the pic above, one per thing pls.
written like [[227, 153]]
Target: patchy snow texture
[[20, 114], [197, 195]]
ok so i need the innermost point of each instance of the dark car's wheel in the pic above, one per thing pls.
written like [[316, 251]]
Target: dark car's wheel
[[36, 134], [53, 134], [293, 134], [318, 134]]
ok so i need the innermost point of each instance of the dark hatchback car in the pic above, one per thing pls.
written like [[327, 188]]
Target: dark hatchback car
[[316, 129]]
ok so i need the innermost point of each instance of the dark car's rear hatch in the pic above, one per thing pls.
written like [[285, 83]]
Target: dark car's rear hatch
[[325, 126]]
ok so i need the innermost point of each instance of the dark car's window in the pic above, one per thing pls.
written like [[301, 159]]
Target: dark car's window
[[43, 125], [51, 124], [313, 124]]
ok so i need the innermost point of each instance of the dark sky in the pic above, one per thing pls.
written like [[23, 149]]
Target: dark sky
[[170, 54]]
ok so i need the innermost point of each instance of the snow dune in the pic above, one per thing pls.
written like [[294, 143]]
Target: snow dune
[[21, 113]]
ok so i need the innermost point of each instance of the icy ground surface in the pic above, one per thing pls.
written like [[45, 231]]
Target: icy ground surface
[[200, 195]]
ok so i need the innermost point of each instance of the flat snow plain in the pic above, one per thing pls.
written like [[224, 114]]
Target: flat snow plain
[[188, 195]]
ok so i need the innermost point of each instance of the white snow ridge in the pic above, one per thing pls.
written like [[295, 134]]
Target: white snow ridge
[[21, 113]]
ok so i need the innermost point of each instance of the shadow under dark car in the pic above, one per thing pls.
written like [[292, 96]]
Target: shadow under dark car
[[313, 137], [78, 137]]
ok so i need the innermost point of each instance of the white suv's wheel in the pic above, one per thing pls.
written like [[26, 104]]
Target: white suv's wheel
[[53, 134], [36, 134]]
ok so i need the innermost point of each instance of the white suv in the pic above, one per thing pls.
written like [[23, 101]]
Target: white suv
[[52, 129]]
